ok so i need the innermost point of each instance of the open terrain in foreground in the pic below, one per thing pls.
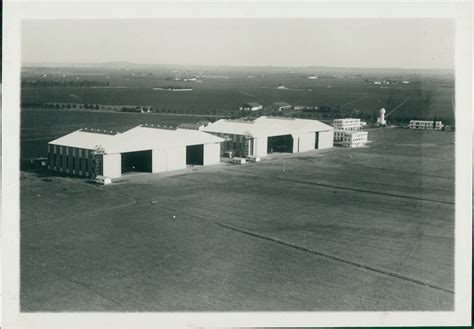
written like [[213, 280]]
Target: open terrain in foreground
[[339, 229]]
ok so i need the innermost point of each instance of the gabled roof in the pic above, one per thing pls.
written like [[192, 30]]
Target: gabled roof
[[241, 127], [294, 124], [266, 126], [86, 139], [136, 139], [151, 138]]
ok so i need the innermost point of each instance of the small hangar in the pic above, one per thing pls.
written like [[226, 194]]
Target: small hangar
[[265, 135], [145, 148]]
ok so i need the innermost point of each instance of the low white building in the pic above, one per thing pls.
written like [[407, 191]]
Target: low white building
[[347, 124], [427, 125], [280, 106], [350, 138], [271, 134], [145, 148], [251, 106]]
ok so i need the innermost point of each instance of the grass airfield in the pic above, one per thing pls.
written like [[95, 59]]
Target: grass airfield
[[327, 230]]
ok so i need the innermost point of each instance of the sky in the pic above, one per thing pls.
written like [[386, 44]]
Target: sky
[[361, 43]]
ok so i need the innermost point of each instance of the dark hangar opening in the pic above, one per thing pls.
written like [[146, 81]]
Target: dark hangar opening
[[283, 144], [136, 161], [195, 155]]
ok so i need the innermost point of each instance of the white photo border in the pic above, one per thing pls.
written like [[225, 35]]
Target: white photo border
[[16, 11]]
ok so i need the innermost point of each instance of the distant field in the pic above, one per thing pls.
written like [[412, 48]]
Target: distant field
[[424, 103], [222, 90], [328, 230]]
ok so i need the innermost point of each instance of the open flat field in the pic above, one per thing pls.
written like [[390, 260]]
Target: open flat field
[[339, 229], [222, 90], [426, 100]]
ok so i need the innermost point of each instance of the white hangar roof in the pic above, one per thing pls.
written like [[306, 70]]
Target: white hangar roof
[[298, 125], [240, 127], [85, 139], [266, 126], [136, 139]]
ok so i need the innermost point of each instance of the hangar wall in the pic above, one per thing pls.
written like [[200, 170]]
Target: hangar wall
[[112, 165], [260, 146], [176, 158], [169, 159], [212, 154], [158, 160], [306, 142], [326, 139]]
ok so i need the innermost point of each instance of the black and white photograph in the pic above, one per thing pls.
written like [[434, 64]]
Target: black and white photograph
[[239, 164]]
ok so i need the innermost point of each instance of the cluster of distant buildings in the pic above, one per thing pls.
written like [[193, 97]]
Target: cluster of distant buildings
[[254, 106], [390, 82], [414, 124], [277, 106], [348, 132]]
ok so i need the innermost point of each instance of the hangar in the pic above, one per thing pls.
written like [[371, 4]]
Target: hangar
[[145, 148], [265, 135]]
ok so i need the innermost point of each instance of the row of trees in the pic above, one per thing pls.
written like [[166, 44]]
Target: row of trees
[[121, 108], [61, 83], [60, 106], [77, 106], [319, 113]]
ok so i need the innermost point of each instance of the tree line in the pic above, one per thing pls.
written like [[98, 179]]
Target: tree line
[[66, 84], [79, 106]]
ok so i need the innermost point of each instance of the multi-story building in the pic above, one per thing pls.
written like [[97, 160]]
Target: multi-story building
[[347, 124], [428, 125], [350, 138]]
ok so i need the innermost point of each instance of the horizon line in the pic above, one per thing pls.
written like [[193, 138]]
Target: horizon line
[[32, 63]]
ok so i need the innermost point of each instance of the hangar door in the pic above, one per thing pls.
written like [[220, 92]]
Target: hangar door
[[136, 161], [316, 141], [283, 143], [195, 155]]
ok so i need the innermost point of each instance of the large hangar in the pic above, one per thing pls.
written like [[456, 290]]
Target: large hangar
[[145, 148], [271, 134]]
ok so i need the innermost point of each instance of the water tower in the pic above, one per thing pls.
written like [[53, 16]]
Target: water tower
[[381, 120]]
